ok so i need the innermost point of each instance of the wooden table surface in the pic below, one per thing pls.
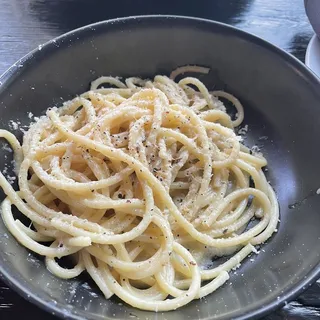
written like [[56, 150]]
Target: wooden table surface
[[24, 24]]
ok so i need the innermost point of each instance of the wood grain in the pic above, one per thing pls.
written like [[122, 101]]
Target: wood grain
[[25, 24]]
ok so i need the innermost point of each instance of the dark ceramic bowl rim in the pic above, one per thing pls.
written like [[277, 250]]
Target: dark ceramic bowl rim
[[302, 285]]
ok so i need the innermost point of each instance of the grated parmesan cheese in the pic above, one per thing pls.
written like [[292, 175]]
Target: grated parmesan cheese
[[243, 131]]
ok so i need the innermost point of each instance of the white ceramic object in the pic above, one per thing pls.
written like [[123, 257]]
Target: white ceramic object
[[313, 55], [313, 12]]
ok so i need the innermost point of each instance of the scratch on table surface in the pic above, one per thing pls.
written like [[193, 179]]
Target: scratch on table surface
[[6, 305]]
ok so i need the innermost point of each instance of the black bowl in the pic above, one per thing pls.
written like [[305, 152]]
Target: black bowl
[[282, 110]]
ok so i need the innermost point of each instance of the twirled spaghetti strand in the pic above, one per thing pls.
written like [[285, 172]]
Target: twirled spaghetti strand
[[141, 182]]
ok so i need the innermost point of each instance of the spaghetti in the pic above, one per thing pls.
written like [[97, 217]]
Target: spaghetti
[[141, 182]]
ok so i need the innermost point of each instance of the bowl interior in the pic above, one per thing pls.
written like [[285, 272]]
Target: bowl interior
[[281, 100]]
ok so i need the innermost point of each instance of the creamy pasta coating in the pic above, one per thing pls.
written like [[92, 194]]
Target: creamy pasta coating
[[142, 182]]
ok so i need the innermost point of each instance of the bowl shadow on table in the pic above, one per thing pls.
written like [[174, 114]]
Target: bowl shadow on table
[[298, 44], [68, 15]]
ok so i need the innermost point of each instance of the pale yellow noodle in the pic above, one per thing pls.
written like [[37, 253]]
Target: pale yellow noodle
[[143, 183]]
